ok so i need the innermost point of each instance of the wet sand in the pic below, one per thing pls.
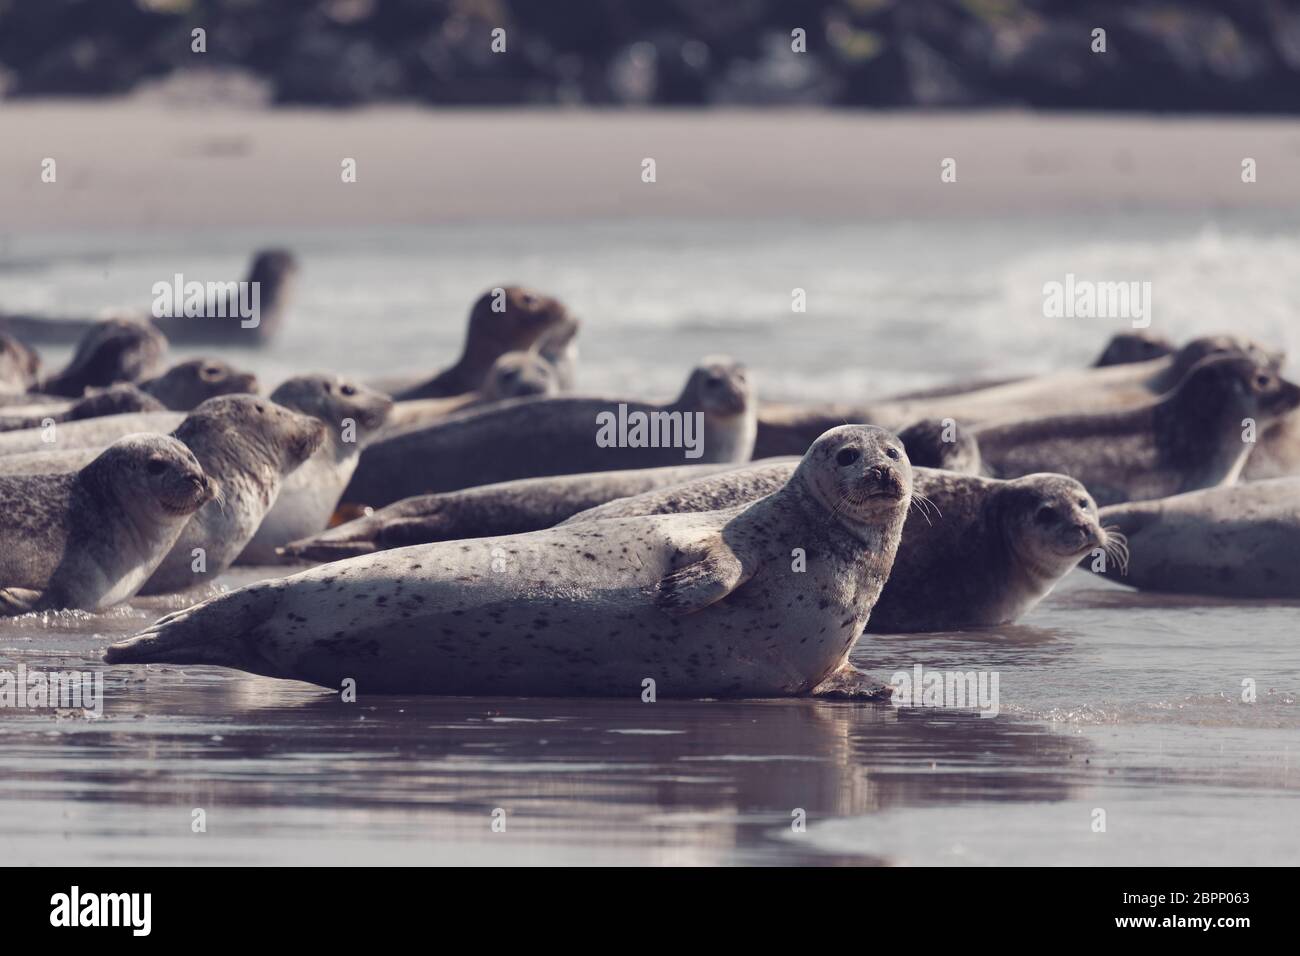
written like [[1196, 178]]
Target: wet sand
[[1107, 701]]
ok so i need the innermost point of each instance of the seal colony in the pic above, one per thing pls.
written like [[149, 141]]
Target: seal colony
[[534, 540], [701, 604]]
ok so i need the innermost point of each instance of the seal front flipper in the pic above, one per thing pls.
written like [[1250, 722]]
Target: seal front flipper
[[849, 683], [15, 601], [706, 581]]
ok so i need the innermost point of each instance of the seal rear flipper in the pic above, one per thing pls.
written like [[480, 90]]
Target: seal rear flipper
[[15, 601], [324, 549], [849, 683], [708, 580], [220, 631]]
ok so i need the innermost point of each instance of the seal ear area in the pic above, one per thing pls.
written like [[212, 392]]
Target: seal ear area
[[715, 573]]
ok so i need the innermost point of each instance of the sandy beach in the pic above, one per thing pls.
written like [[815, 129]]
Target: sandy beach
[[129, 164]]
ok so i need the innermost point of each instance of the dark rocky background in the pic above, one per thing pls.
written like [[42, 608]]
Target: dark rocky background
[[1177, 55]]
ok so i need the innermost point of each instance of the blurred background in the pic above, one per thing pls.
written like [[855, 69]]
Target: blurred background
[[1199, 55]]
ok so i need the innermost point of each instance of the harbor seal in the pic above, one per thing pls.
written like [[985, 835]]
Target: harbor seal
[[711, 421], [247, 445], [784, 428], [1196, 437], [187, 384], [941, 443], [274, 272], [1127, 348], [89, 539], [509, 321], [975, 552], [352, 414], [703, 605], [112, 351], [507, 507], [1236, 541], [513, 375], [117, 399], [20, 366]]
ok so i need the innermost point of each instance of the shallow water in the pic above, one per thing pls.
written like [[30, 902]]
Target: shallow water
[[1109, 700]]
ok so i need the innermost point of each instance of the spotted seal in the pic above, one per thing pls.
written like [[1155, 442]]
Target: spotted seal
[[697, 605], [711, 421], [89, 539]]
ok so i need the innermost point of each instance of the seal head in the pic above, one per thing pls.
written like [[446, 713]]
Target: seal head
[[20, 366], [114, 350], [188, 384], [1129, 348]]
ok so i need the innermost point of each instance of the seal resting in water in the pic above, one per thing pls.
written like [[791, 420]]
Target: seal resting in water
[[975, 552], [1238, 541], [1196, 437], [524, 318], [711, 421], [89, 539], [702, 605]]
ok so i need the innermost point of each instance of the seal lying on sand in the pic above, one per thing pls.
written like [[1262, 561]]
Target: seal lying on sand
[[115, 400], [247, 445], [513, 375], [20, 366], [524, 318], [187, 384], [784, 428], [975, 552], [89, 539], [1237, 541], [701, 604], [711, 421], [352, 414], [507, 507], [1196, 437], [530, 504], [112, 351]]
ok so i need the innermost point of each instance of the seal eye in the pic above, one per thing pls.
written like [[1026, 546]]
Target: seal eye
[[1047, 515], [891, 452], [348, 390], [847, 457], [211, 371], [1263, 381], [1083, 503], [156, 466]]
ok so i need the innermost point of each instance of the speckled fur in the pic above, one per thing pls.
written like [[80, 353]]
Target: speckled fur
[[528, 438], [971, 554], [1237, 541], [310, 493], [1190, 439], [247, 445], [705, 604], [89, 539], [787, 429], [508, 507]]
